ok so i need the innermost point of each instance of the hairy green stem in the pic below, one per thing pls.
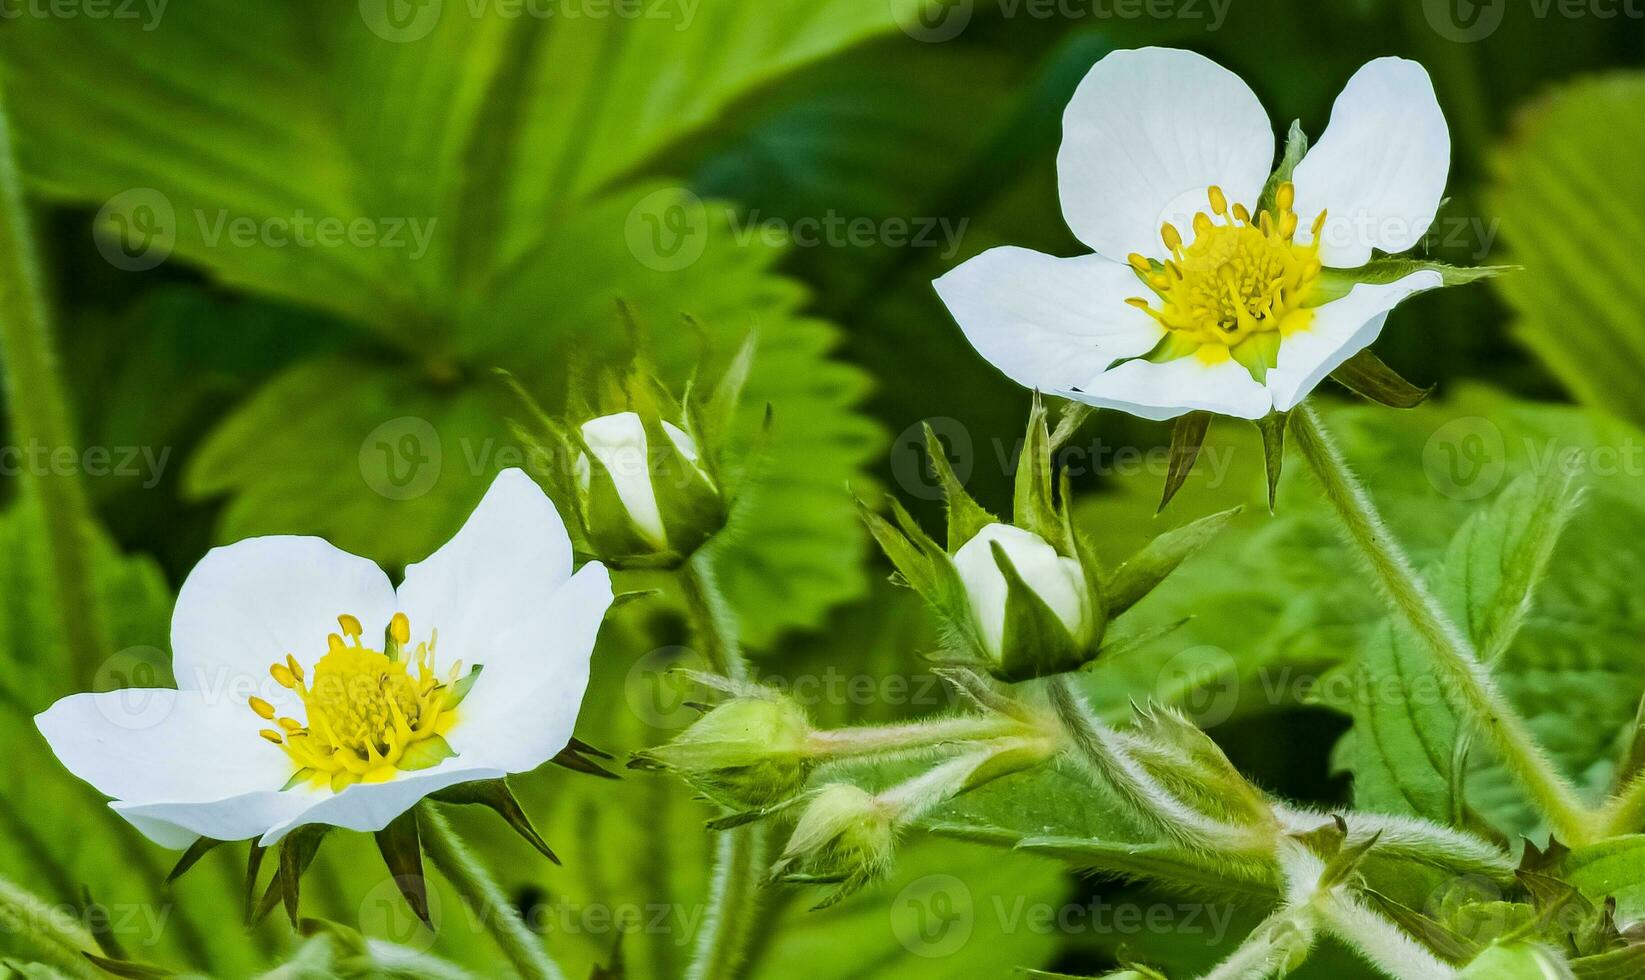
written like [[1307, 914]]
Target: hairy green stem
[[40, 416], [1102, 750], [1272, 948], [739, 855], [877, 740], [523, 948], [52, 934], [1467, 679]]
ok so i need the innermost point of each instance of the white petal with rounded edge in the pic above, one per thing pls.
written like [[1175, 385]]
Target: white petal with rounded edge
[[492, 578], [1146, 133], [521, 712], [369, 807], [156, 745], [175, 825], [1379, 170], [1047, 322], [1340, 329], [248, 604], [1165, 391]]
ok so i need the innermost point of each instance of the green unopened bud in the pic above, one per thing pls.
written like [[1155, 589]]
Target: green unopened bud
[[748, 753], [1056, 583], [642, 492], [845, 836]]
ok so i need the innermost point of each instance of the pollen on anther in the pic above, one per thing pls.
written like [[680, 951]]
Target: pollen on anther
[[282, 675], [1219, 201], [400, 628], [1286, 196], [271, 735], [263, 708], [291, 725], [1139, 263], [1171, 237], [295, 667], [351, 625]]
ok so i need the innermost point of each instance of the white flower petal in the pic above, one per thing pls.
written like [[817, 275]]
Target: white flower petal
[[245, 606], [1047, 322], [176, 825], [1058, 581], [1147, 132], [619, 442], [1379, 170], [521, 712], [1340, 329], [155, 745], [496, 574], [1165, 391], [369, 807]]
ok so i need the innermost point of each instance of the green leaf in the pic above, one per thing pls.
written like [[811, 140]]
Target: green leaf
[[1579, 300], [1611, 869], [482, 130]]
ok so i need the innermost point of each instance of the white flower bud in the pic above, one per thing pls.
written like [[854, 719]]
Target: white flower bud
[[1058, 581], [619, 442]]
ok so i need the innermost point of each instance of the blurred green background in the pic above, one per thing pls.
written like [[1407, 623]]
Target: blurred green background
[[281, 238]]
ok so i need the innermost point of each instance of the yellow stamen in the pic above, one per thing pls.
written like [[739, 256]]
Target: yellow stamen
[[364, 709], [1237, 279]]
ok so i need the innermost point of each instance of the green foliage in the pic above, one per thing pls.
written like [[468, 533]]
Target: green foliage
[[512, 269], [1575, 230]]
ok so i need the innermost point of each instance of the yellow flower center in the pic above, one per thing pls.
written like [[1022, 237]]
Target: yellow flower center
[[1239, 288], [370, 713]]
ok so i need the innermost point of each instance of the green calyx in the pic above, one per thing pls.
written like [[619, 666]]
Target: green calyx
[[749, 753]]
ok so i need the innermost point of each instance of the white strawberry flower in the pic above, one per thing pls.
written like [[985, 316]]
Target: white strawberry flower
[[311, 691], [1195, 300]]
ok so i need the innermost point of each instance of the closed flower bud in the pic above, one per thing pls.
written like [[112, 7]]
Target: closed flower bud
[[749, 753], [665, 501], [844, 836], [1058, 582]]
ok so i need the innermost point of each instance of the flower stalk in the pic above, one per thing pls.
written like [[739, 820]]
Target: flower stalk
[[523, 949], [1469, 680], [739, 854]]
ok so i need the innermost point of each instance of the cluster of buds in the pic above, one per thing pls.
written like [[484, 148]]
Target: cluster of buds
[[756, 752], [1027, 598], [644, 487]]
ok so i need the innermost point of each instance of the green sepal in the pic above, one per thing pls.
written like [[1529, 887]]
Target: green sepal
[[687, 499], [95, 918], [402, 849], [1334, 284], [254, 864], [129, 970], [911, 557], [1074, 415], [1446, 942], [1187, 438], [965, 516], [495, 794], [460, 688], [1033, 508], [925, 566], [1160, 557], [298, 778], [425, 754], [1272, 426], [296, 854], [721, 408], [579, 756], [1035, 642], [1258, 354], [1366, 375], [1174, 346], [1199, 768], [197, 850], [1096, 594], [1296, 147]]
